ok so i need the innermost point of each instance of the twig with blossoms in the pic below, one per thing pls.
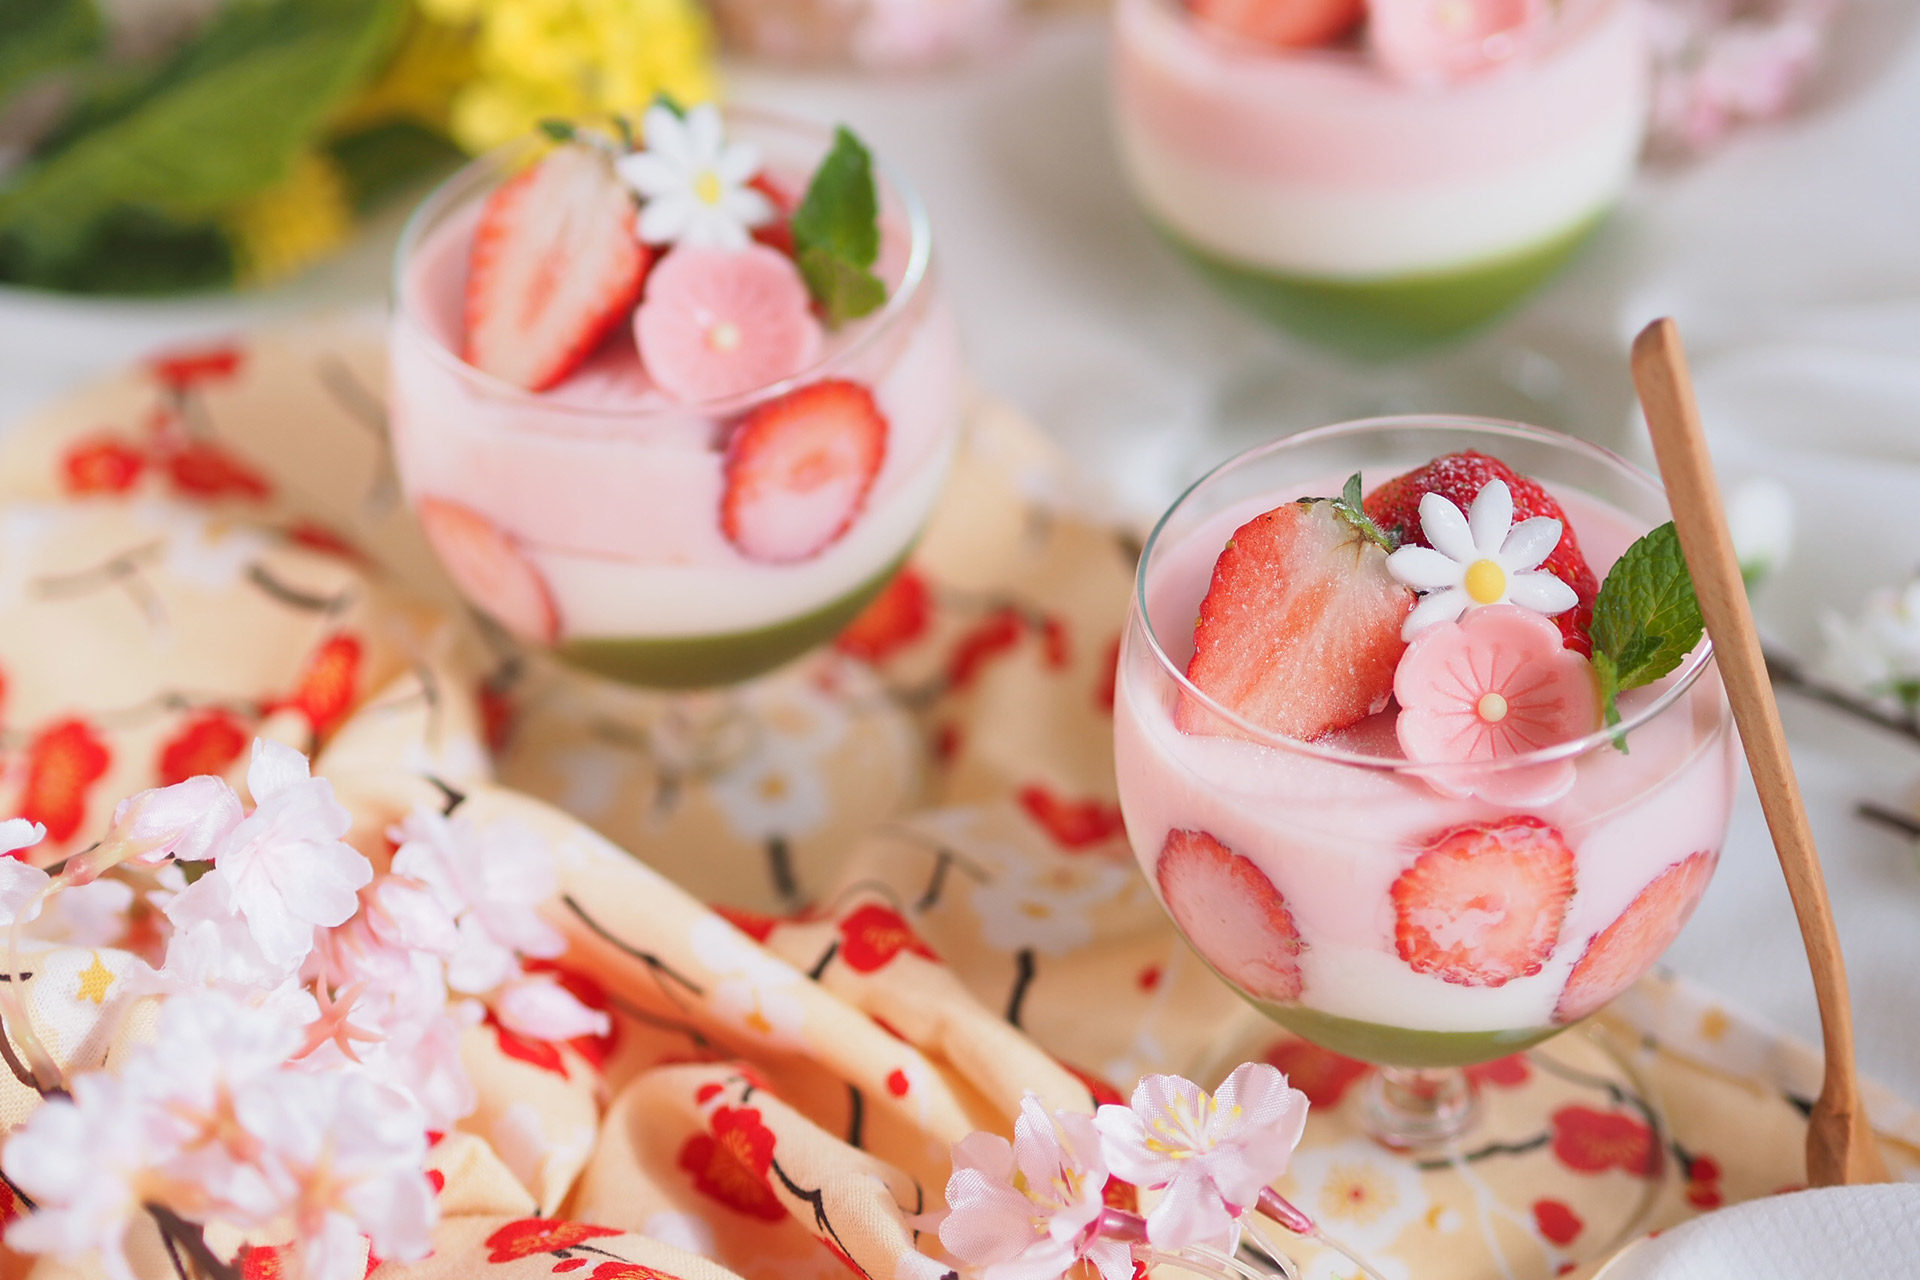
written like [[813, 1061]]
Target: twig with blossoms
[[1036, 1208], [309, 1022]]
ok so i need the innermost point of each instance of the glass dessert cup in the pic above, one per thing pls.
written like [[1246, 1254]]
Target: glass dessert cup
[[1318, 839], [1363, 212], [585, 520]]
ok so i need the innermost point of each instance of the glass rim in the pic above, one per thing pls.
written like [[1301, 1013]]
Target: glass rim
[[459, 186], [1681, 681]]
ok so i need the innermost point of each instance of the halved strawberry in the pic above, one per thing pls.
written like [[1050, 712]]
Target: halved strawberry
[[798, 470], [491, 569], [1231, 914], [1627, 948], [777, 234], [1459, 477], [1300, 629], [1483, 903], [555, 265], [1284, 24]]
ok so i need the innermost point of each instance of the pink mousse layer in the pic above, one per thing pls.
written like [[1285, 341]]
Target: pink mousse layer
[[1330, 118], [1333, 837], [604, 478]]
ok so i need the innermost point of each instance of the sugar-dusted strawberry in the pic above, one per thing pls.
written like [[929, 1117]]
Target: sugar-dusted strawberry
[[1483, 903], [1299, 632], [555, 265], [798, 470], [1231, 914], [1283, 24], [1459, 477], [777, 234], [491, 569], [1627, 948]]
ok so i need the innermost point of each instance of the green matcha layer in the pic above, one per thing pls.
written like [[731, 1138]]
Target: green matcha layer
[[1397, 1046], [1395, 315], [701, 662]]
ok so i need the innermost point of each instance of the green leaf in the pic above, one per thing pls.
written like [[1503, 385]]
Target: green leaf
[[1646, 619], [845, 292], [385, 159], [836, 232], [1352, 508], [43, 36], [220, 121]]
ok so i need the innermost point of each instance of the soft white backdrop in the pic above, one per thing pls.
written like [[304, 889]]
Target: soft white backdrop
[[1791, 259]]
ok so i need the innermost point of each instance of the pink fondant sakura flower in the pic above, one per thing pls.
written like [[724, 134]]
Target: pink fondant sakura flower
[[1433, 40], [1496, 685], [1031, 1209], [721, 322], [1210, 1155]]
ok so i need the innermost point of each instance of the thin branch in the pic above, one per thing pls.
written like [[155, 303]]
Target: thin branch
[[190, 1237], [1787, 673], [1901, 823]]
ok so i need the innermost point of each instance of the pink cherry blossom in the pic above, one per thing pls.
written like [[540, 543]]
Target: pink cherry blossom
[[539, 1007], [1435, 40], [17, 834], [1494, 686], [1210, 1155], [1030, 1209], [283, 869], [492, 880], [1719, 64], [86, 1162], [187, 821]]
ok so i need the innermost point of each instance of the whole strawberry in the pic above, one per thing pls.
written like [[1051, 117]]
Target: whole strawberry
[[1459, 477]]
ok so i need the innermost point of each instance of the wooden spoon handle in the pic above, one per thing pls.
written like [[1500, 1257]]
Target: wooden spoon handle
[[1840, 1146]]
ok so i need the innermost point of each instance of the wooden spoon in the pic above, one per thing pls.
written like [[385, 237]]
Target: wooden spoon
[[1840, 1146]]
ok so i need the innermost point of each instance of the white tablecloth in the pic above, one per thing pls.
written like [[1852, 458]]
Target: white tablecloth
[[1791, 259]]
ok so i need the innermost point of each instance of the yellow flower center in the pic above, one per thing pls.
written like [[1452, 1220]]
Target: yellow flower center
[[1492, 708], [707, 187], [1486, 581], [724, 336]]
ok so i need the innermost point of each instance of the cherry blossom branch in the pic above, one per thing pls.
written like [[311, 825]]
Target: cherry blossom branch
[[264, 579], [1786, 672], [191, 1237]]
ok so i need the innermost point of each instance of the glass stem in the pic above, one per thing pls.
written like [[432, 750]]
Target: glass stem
[[1409, 1108]]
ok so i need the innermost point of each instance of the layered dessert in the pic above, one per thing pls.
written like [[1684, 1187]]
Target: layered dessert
[[1418, 769], [1383, 185], [674, 405]]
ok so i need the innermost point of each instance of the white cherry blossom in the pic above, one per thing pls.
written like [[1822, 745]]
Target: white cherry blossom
[[491, 880], [1210, 1155], [283, 869], [539, 1007], [1028, 1210], [694, 182], [186, 820], [1479, 558], [1876, 652]]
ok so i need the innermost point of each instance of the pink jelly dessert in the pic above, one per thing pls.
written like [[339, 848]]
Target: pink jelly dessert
[[1361, 746], [1388, 187], [675, 407]]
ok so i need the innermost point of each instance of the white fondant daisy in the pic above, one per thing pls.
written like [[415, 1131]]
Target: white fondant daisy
[[694, 182], [1478, 559]]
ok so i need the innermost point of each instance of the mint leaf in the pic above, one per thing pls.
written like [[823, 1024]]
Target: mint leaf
[[1646, 619], [844, 292], [219, 121], [836, 232]]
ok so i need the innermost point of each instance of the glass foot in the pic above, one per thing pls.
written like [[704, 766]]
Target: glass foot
[[1416, 1108]]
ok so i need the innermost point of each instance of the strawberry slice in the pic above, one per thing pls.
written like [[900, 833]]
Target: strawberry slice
[[1627, 948], [1483, 903], [777, 234], [491, 569], [1300, 629], [1459, 477], [555, 265], [1231, 914], [798, 470], [1284, 24]]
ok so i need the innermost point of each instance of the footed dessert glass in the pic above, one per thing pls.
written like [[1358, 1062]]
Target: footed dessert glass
[[1371, 212], [587, 519], [1344, 894]]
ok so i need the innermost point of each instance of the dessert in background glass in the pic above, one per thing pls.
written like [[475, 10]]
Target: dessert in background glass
[[1329, 811], [1384, 188], [654, 412]]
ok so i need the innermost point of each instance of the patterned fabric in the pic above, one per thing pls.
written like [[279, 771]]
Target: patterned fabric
[[923, 902]]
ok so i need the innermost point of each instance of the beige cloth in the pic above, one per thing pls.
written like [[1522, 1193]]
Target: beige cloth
[[926, 902]]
